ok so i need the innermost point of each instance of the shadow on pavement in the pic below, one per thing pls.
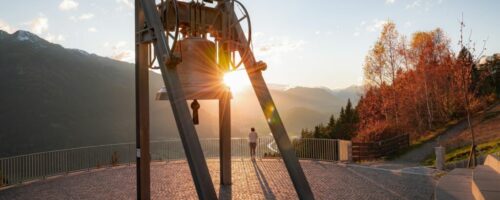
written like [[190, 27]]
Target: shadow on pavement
[[268, 193]]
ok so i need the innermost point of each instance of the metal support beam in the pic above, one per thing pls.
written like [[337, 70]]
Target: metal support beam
[[142, 111], [285, 147], [225, 139], [189, 137]]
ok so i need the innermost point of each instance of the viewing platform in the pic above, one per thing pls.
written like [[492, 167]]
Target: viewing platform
[[262, 179], [109, 172]]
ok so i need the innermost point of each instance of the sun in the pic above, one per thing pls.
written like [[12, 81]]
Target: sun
[[236, 80]]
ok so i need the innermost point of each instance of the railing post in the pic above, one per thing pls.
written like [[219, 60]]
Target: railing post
[[168, 151], [88, 158], [67, 162], [21, 173], [440, 160], [129, 157]]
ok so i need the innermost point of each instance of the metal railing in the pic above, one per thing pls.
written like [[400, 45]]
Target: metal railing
[[373, 150], [23, 168]]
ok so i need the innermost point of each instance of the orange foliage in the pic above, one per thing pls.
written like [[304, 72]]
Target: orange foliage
[[413, 88]]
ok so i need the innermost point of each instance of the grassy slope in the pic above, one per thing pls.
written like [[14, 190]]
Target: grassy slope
[[486, 126], [430, 135], [462, 153], [487, 134]]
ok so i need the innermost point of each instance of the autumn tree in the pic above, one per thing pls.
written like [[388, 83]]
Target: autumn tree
[[412, 86], [416, 85], [382, 65]]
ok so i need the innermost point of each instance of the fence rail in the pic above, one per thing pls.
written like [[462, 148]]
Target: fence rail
[[373, 150], [19, 169]]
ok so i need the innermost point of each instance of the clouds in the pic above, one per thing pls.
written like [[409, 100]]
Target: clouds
[[82, 17], [67, 5], [39, 25], [121, 51], [125, 56], [279, 45], [276, 48], [4, 26], [327, 33], [54, 38], [86, 16], [414, 4], [376, 25], [126, 3], [425, 4], [390, 1], [358, 28]]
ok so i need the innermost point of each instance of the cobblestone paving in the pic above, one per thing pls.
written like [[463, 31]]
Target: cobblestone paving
[[265, 179]]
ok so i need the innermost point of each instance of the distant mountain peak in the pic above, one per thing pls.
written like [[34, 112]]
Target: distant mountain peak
[[79, 51], [301, 88], [274, 86], [27, 36], [3, 34]]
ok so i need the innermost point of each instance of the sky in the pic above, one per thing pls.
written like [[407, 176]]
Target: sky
[[314, 43]]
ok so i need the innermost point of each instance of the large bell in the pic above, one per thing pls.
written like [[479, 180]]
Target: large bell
[[200, 76]]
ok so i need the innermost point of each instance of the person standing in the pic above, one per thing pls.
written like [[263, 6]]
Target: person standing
[[252, 139]]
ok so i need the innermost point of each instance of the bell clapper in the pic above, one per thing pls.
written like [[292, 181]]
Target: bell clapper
[[195, 106]]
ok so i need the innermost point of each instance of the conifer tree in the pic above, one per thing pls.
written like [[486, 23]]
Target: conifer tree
[[331, 127]]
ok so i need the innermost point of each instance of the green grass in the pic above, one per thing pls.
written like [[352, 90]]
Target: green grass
[[462, 153], [430, 135], [490, 115]]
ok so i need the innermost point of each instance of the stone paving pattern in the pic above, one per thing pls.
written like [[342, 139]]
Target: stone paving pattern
[[263, 179]]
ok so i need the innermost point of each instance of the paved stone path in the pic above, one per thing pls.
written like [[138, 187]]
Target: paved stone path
[[264, 179], [419, 154], [414, 157]]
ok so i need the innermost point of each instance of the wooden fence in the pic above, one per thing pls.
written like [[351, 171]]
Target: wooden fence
[[374, 150]]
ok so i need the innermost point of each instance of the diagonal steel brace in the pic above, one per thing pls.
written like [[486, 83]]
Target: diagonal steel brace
[[189, 137]]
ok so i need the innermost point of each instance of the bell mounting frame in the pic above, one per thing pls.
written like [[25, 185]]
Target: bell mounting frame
[[233, 43], [171, 32]]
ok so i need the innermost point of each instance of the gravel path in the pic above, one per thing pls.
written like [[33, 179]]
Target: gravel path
[[266, 179]]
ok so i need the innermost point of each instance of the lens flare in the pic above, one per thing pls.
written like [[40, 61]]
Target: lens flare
[[236, 80]]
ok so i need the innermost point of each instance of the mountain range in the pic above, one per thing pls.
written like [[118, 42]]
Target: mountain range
[[54, 97]]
